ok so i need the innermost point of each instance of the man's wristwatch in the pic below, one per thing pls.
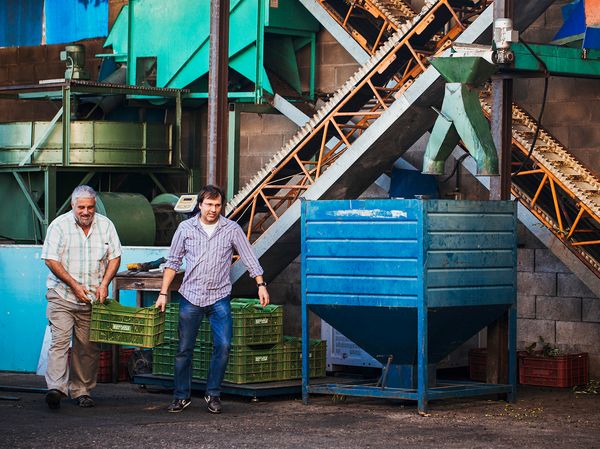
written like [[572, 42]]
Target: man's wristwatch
[[261, 284]]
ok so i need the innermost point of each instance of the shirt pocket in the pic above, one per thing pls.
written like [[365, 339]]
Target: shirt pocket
[[99, 251]]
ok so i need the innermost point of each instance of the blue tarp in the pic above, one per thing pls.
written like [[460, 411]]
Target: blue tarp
[[73, 20], [20, 22]]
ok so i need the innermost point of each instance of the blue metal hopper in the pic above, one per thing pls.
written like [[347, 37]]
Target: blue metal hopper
[[409, 281]]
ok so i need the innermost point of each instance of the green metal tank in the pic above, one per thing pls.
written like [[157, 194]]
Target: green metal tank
[[132, 215]]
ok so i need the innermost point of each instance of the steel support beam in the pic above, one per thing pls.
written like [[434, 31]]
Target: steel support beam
[[217, 91], [497, 333]]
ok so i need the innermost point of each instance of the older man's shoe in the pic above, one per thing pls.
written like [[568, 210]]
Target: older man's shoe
[[53, 398]]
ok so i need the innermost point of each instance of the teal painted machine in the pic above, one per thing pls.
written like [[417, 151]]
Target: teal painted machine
[[168, 44], [409, 281]]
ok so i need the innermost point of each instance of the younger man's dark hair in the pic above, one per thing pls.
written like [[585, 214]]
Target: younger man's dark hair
[[210, 191]]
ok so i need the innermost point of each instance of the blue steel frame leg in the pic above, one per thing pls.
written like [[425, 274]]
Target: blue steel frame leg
[[422, 362], [305, 340], [512, 353], [305, 356]]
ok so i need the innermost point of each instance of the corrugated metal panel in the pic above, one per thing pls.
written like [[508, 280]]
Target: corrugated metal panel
[[368, 253], [73, 20], [471, 254], [20, 22]]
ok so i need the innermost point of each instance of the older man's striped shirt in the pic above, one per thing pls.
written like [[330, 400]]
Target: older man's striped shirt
[[85, 258], [208, 259]]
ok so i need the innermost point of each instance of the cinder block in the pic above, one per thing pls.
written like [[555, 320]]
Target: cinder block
[[53, 53], [21, 74], [547, 262], [264, 144], [525, 259], [526, 239], [529, 331], [557, 113], [589, 157], [8, 56], [324, 37], [578, 333], [33, 54], [569, 285], [557, 308], [537, 283], [570, 89], [325, 79], [343, 73], [562, 134], [332, 53], [277, 124], [526, 306], [582, 136], [594, 367], [251, 123], [4, 80], [49, 71], [596, 111], [590, 310]]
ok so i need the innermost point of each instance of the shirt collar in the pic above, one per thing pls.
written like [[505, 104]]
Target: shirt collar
[[75, 221], [197, 223]]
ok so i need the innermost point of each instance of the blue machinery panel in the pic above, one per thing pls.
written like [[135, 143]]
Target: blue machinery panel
[[20, 22], [409, 281], [73, 20], [23, 288]]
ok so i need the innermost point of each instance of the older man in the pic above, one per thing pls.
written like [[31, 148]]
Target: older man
[[207, 242], [83, 252]]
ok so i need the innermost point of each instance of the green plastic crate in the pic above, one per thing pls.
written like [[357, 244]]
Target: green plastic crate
[[292, 358], [252, 323], [246, 364], [163, 360], [118, 324]]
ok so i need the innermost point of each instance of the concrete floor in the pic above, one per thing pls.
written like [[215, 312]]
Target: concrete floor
[[129, 417]]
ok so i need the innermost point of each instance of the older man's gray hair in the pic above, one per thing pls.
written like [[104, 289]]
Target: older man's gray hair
[[82, 192]]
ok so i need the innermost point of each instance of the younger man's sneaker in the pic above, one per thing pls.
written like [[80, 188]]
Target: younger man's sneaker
[[214, 404], [53, 398], [178, 405]]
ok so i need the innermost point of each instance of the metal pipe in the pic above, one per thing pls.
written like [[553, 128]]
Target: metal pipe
[[502, 118], [217, 90]]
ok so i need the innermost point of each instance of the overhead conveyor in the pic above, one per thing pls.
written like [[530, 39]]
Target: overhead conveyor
[[555, 187], [400, 89]]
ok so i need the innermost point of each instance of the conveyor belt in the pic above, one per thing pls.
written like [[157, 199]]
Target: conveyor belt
[[367, 124], [346, 115], [555, 187]]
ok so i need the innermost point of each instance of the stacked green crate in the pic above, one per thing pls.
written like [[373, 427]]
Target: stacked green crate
[[247, 364], [255, 355], [256, 343], [292, 358], [115, 323], [252, 323]]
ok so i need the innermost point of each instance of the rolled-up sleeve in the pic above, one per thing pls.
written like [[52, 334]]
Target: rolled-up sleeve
[[246, 252], [114, 243], [177, 250], [52, 243]]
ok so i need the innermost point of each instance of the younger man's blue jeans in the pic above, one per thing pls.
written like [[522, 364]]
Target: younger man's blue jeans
[[190, 317]]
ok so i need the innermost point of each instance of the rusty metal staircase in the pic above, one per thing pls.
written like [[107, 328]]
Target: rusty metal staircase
[[553, 185], [366, 125]]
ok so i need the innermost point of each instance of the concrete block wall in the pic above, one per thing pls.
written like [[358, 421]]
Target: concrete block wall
[[261, 136], [555, 305]]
